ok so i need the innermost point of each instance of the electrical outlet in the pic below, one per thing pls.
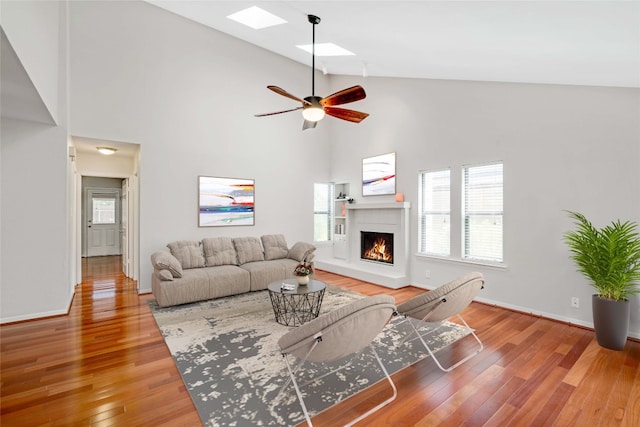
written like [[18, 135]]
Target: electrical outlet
[[575, 302], [427, 274]]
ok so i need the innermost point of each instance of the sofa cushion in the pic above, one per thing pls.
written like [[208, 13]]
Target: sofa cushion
[[188, 252], [199, 284], [265, 272], [219, 251], [275, 246], [300, 251], [164, 261], [249, 249], [227, 280], [289, 265]]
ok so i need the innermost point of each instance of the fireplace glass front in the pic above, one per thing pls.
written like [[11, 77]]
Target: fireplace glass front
[[376, 246]]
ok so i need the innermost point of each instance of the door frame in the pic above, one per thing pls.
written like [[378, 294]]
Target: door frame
[[83, 164], [133, 226], [124, 227]]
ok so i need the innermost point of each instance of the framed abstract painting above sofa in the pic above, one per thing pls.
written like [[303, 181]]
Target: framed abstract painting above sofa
[[225, 201]]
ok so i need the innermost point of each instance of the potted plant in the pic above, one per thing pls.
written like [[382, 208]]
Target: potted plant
[[610, 259], [302, 272]]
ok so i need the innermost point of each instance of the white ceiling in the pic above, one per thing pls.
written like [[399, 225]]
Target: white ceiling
[[557, 42]]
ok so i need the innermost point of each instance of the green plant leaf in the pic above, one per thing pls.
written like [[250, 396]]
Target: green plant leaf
[[609, 257]]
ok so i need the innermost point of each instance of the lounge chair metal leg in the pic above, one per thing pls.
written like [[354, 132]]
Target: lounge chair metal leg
[[298, 392], [386, 402], [298, 366], [460, 362]]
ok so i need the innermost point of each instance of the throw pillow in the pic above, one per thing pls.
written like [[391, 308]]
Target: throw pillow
[[219, 251], [275, 246], [300, 251], [164, 261], [188, 253], [249, 249]]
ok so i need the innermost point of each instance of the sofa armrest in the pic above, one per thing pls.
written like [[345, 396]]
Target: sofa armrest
[[301, 251], [165, 261]]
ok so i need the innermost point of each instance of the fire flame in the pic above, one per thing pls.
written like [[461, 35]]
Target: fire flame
[[378, 251]]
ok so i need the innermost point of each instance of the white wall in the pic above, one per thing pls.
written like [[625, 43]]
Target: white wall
[[188, 97], [563, 147], [35, 269], [35, 264]]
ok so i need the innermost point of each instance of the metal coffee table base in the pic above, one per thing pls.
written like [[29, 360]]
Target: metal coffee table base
[[295, 308]]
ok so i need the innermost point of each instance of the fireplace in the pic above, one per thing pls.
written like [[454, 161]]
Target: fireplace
[[389, 221], [376, 246]]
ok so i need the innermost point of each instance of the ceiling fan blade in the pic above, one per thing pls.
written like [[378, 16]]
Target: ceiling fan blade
[[283, 92], [308, 125], [352, 94], [344, 114], [278, 112]]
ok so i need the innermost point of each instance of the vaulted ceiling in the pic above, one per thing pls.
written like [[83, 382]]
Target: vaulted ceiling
[[556, 42]]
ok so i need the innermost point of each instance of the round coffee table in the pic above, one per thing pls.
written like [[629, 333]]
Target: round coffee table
[[296, 304]]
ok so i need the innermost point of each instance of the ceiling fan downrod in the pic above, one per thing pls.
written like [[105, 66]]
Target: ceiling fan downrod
[[314, 20]]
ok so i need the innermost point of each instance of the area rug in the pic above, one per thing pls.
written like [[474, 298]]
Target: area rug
[[226, 351]]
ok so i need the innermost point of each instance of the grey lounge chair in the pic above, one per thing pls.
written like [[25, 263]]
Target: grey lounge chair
[[337, 335], [430, 310]]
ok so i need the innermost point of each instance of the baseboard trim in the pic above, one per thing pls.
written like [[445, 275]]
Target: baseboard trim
[[40, 316]]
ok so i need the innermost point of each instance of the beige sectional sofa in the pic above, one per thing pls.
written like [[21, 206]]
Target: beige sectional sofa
[[221, 266]]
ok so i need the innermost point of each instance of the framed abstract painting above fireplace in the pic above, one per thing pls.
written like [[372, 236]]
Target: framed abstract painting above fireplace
[[379, 175], [225, 201]]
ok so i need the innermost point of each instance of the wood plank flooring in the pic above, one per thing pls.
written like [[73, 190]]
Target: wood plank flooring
[[106, 364]]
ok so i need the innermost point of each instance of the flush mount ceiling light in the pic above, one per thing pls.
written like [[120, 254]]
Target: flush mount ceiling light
[[107, 151], [256, 18], [314, 107]]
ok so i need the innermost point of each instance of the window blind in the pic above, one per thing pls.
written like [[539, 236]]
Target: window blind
[[322, 211], [483, 212], [435, 212]]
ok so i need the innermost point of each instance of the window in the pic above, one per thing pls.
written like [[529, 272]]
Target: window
[[435, 212], [482, 213], [104, 210], [322, 211]]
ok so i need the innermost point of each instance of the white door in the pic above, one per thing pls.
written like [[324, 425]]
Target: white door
[[124, 229], [103, 222]]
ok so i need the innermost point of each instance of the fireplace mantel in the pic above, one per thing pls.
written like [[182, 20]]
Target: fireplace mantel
[[381, 217], [401, 205]]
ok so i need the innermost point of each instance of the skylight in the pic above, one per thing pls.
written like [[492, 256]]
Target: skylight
[[256, 18], [326, 49]]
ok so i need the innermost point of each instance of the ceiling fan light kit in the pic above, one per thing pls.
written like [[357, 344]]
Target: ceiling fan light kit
[[313, 107], [313, 111]]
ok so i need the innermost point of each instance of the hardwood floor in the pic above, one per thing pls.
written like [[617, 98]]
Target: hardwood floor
[[106, 364]]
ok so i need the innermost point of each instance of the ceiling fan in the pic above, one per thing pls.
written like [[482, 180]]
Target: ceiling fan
[[314, 107]]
